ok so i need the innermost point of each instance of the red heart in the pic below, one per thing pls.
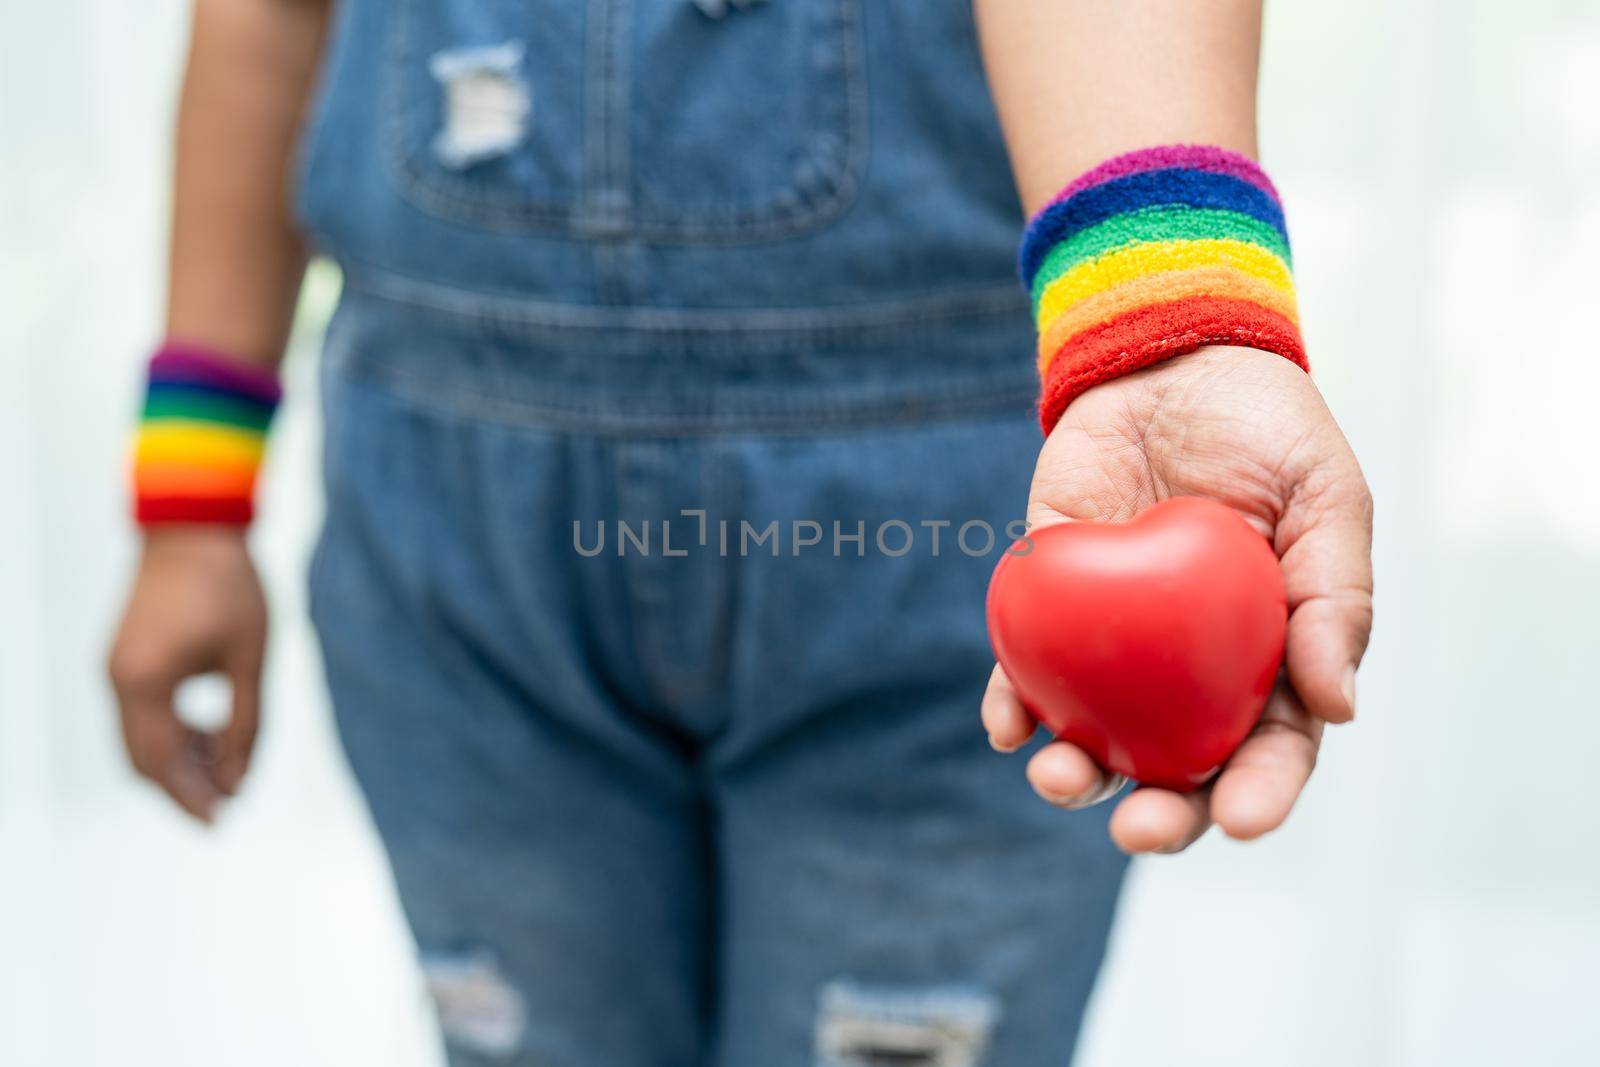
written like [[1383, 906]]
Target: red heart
[[1152, 644]]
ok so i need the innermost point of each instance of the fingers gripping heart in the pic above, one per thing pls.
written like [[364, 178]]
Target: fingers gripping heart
[[1152, 645]]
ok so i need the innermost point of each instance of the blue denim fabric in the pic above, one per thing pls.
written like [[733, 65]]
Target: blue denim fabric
[[704, 268]]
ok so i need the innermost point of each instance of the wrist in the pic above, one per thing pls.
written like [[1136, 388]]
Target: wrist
[[1232, 378], [195, 541], [206, 548], [179, 535]]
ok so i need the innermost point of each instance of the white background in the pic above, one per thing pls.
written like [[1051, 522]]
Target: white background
[[1434, 900]]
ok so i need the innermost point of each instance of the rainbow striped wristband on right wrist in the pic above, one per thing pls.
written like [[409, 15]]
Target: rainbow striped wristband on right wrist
[[202, 437], [1151, 255]]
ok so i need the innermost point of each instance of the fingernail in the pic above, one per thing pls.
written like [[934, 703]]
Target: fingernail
[[1003, 749], [1348, 688], [1057, 799], [1102, 790]]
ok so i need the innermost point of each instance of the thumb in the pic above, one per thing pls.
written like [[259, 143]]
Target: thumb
[[1325, 540]]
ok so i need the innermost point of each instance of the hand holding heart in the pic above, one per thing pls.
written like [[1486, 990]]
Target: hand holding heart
[[1249, 430]]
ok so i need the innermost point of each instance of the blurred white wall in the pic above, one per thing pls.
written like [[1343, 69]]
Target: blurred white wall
[[1434, 901]]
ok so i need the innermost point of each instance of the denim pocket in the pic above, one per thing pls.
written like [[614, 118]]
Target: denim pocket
[[749, 126], [641, 118], [512, 65]]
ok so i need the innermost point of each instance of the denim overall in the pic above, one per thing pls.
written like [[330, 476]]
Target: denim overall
[[680, 370]]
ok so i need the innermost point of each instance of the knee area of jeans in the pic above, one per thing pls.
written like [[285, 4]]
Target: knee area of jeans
[[478, 1008], [861, 1025]]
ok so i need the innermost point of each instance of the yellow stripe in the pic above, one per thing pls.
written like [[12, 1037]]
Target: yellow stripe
[[1135, 261], [186, 441], [1213, 280]]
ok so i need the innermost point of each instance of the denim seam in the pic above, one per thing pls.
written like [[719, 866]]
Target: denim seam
[[674, 683], [596, 417], [606, 180], [618, 84], [523, 317], [518, 211], [594, 106]]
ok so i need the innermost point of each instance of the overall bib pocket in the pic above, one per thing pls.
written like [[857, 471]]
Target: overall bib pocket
[[643, 119]]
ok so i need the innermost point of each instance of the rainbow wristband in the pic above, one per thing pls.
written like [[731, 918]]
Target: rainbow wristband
[[1151, 255], [201, 438]]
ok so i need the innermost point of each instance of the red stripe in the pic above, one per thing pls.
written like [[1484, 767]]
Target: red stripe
[[158, 510], [1156, 332]]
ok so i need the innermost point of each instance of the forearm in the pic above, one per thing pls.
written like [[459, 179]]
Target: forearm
[[236, 259], [1079, 81]]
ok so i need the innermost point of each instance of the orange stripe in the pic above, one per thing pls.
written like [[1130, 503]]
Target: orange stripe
[[1131, 262], [173, 479], [1219, 280], [206, 462]]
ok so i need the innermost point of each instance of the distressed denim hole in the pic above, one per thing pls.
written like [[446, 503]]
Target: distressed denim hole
[[715, 9], [478, 1008], [863, 1026], [487, 104]]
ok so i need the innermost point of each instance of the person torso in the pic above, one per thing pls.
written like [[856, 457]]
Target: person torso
[[798, 160]]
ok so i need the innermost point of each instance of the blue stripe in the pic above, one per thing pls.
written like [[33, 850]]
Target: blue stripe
[[1173, 186]]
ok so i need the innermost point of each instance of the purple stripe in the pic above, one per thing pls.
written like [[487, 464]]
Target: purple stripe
[[177, 361], [1193, 156]]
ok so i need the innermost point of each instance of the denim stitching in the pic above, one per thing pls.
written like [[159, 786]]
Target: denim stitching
[[594, 104], [517, 211], [764, 222], [519, 317], [605, 209], [613, 416], [618, 89], [678, 683]]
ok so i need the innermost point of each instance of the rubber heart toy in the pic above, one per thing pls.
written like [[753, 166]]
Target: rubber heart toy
[[1152, 644]]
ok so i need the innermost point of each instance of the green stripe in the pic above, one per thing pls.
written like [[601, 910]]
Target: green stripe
[[200, 408], [1157, 224]]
